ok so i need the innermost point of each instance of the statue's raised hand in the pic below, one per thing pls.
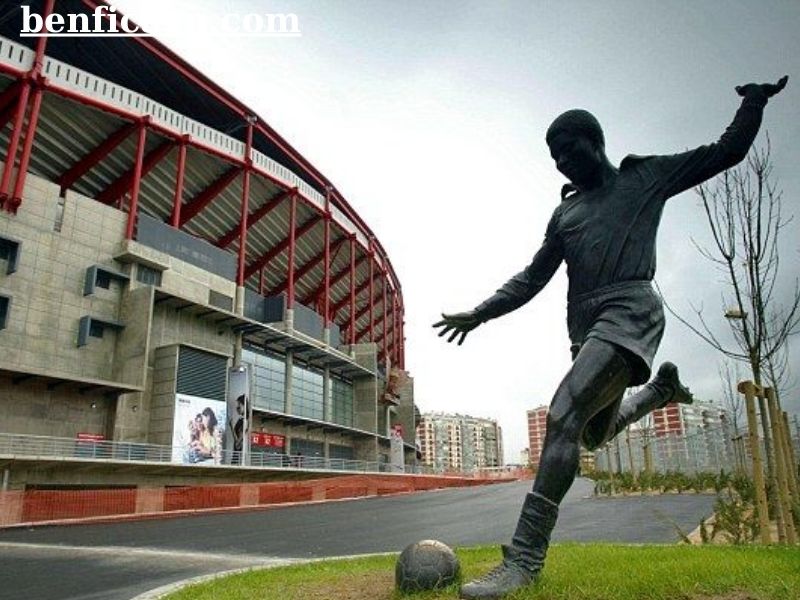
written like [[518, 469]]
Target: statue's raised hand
[[458, 323], [767, 89]]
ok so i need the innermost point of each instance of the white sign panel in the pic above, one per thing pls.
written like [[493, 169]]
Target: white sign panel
[[237, 423], [397, 454]]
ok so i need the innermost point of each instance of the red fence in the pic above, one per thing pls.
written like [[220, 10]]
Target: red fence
[[200, 498], [41, 505]]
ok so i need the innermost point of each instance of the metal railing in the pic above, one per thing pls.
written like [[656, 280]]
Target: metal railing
[[711, 448], [67, 449]]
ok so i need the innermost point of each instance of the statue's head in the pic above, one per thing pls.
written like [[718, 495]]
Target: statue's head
[[577, 145]]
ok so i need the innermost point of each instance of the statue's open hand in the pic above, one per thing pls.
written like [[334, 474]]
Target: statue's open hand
[[458, 323], [767, 89]]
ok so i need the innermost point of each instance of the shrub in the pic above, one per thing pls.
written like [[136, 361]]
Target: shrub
[[606, 483], [736, 516], [704, 536]]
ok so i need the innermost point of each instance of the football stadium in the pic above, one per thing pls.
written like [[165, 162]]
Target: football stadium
[[184, 298]]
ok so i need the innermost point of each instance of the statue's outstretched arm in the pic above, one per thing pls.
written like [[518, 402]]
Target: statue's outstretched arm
[[518, 290], [679, 172]]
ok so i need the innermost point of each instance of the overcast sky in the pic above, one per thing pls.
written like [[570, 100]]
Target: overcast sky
[[430, 118]]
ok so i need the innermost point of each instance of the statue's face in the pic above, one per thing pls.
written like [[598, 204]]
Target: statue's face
[[576, 156]]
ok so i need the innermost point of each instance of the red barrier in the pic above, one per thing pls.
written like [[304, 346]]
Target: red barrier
[[198, 498], [52, 505], [41, 505], [283, 492]]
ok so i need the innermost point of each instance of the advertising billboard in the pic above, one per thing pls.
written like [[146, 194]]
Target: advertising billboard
[[198, 430]]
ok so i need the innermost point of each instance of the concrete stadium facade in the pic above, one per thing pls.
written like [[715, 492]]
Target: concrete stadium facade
[[146, 254]]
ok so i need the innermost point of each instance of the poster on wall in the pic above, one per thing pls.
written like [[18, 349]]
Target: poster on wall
[[397, 455], [198, 430], [237, 423]]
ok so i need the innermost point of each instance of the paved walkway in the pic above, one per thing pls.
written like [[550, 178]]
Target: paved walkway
[[117, 561]]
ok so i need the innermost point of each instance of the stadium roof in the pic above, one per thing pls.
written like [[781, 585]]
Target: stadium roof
[[189, 105]]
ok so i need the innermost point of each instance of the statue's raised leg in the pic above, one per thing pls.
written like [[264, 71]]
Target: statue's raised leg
[[664, 388]]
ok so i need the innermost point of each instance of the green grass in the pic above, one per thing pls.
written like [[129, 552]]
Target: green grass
[[573, 572]]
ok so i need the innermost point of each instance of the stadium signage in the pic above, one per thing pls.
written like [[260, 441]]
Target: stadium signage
[[267, 440], [104, 21]]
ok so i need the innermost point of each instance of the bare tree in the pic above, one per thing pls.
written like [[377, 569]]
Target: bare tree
[[731, 399], [779, 372], [743, 209]]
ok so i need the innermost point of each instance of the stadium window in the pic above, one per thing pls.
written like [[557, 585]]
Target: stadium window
[[148, 276], [95, 329], [103, 280], [9, 251], [100, 276], [5, 306]]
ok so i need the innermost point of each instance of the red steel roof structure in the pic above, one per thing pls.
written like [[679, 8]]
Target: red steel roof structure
[[126, 121]]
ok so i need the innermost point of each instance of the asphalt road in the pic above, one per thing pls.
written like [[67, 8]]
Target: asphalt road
[[120, 560]]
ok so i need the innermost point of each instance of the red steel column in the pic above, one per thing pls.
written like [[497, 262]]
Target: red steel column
[[137, 180], [385, 310], [395, 346], [36, 69], [401, 340], [398, 332], [353, 289], [33, 120], [261, 281], [245, 203], [13, 143], [371, 292], [290, 274], [402, 337], [177, 201], [41, 43], [327, 259]]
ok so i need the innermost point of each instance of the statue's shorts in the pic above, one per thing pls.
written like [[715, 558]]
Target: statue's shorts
[[627, 314]]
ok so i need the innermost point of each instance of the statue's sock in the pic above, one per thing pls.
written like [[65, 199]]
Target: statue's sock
[[532, 535]]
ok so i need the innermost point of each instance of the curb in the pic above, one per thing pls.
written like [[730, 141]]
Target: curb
[[175, 586], [164, 590]]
